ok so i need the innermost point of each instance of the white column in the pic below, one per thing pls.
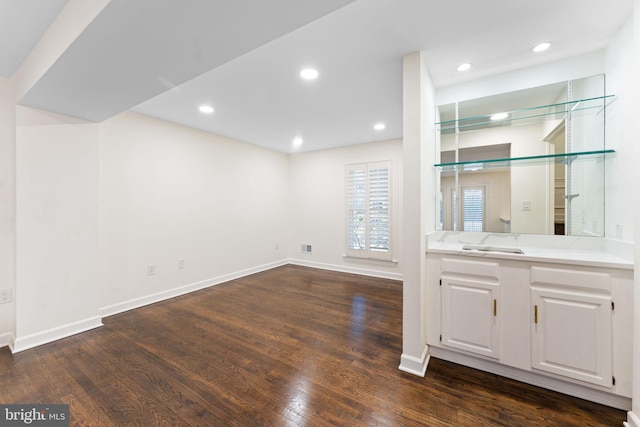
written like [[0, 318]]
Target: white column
[[633, 417], [7, 208], [55, 201], [57, 259], [418, 215]]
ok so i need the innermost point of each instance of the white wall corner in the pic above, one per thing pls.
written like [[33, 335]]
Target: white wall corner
[[54, 334], [632, 420], [415, 365]]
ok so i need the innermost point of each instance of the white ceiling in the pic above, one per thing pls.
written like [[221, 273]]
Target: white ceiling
[[164, 58], [22, 23]]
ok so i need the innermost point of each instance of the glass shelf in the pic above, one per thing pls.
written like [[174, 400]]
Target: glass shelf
[[528, 115], [528, 160]]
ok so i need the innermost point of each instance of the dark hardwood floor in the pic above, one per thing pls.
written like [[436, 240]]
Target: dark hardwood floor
[[292, 346]]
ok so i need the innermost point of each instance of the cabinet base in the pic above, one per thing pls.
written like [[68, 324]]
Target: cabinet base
[[575, 390]]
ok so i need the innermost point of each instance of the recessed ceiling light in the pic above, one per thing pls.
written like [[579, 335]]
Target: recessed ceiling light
[[542, 47], [464, 67], [309, 74], [297, 142], [206, 109], [499, 116], [379, 126]]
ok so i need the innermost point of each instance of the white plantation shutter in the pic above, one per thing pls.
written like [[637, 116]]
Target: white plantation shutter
[[473, 208], [369, 210], [471, 215], [454, 203], [357, 208]]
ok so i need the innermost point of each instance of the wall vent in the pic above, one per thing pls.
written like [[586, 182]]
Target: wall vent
[[305, 248]]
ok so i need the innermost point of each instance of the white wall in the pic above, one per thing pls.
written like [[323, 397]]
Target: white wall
[[170, 193], [7, 207], [318, 206], [58, 284], [621, 114], [634, 200]]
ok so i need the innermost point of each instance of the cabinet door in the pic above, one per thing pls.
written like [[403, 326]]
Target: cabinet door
[[470, 316], [571, 335]]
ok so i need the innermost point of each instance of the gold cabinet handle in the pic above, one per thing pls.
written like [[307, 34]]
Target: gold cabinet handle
[[495, 307], [535, 314]]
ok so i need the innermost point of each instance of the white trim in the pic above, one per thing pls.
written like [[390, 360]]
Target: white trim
[[110, 310], [632, 420], [54, 334], [6, 339], [345, 269], [415, 365], [535, 379]]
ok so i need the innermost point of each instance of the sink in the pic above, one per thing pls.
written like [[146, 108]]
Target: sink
[[484, 248]]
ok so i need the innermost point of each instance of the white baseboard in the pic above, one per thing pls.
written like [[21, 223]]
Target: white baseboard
[[632, 420], [538, 380], [415, 365], [54, 334], [26, 342], [171, 293], [6, 339], [347, 269]]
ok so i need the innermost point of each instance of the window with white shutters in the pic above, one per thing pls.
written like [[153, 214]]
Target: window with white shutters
[[471, 215], [473, 208], [369, 210]]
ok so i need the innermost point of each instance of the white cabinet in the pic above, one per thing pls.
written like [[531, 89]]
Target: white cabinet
[[562, 326], [468, 294], [571, 335], [469, 316], [571, 331]]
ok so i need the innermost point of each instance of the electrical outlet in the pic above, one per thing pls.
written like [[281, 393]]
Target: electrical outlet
[[5, 296], [180, 264], [151, 269]]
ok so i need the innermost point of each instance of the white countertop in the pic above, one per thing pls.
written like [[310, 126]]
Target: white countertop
[[559, 251]]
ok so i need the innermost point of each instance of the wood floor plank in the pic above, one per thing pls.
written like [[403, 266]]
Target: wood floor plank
[[292, 346]]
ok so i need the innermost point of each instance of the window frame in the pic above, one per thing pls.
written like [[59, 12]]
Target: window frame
[[450, 210], [369, 252]]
